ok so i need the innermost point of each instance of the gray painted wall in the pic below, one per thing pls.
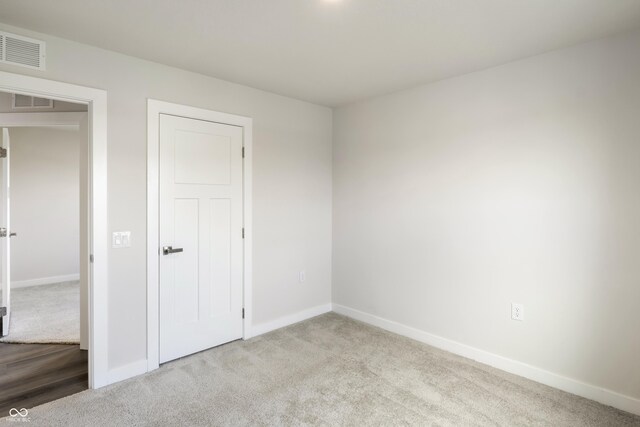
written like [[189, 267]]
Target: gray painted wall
[[44, 202], [291, 172], [58, 106], [514, 184]]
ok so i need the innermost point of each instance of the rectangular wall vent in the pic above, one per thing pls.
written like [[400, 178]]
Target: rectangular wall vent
[[25, 101], [22, 51]]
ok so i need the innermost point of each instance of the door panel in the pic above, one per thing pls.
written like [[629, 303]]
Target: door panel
[[5, 241], [202, 158], [185, 280], [220, 241], [201, 213]]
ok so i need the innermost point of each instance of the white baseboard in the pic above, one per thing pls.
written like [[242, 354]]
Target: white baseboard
[[141, 366], [44, 281], [127, 371], [281, 322], [602, 395]]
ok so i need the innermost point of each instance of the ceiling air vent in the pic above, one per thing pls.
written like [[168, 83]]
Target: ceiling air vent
[[22, 51]]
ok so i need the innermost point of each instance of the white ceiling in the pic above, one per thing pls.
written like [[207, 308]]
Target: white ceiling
[[329, 52]]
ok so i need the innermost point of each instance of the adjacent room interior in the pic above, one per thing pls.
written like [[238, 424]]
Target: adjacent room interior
[[43, 142], [323, 212]]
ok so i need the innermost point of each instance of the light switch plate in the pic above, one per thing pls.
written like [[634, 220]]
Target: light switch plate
[[121, 239]]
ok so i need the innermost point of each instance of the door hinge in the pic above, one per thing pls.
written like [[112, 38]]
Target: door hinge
[[3, 312], [91, 258], [3, 153], [243, 152], [243, 232], [243, 313]]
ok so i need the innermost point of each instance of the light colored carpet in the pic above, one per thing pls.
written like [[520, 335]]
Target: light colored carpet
[[46, 314], [327, 371]]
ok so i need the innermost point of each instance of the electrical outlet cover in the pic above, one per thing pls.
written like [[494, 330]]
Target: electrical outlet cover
[[517, 311]]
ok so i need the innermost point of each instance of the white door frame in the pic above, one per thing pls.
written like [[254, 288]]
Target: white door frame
[[154, 109], [96, 101]]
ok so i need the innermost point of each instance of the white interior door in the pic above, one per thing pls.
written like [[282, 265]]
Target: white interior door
[[200, 235], [5, 233]]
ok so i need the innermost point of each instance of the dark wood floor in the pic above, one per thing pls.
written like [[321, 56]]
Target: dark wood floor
[[33, 374]]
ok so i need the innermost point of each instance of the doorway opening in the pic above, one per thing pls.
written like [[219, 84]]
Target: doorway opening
[[94, 248], [44, 241]]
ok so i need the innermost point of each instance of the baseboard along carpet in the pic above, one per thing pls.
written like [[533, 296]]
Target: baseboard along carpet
[[329, 370], [45, 314]]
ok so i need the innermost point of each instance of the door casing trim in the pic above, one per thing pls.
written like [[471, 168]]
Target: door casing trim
[[154, 109], [96, 101]]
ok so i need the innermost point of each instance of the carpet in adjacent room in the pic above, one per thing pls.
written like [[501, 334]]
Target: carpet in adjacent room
[[45, 314]]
